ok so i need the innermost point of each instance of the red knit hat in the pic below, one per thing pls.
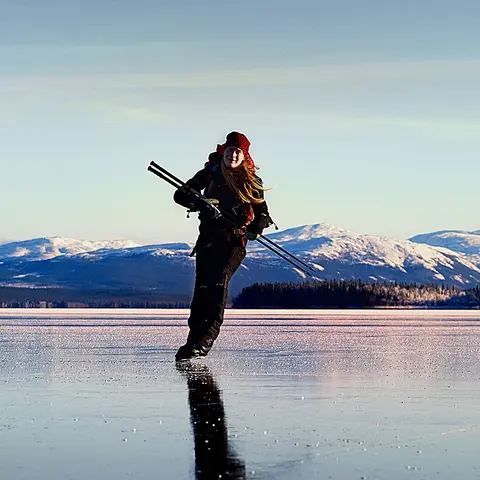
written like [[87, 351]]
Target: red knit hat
[[239, 140]]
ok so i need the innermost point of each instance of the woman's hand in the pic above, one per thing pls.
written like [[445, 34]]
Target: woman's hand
[[209, 207]]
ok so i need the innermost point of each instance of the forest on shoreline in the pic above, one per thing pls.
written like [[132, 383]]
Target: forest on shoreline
[[13, 297], [355, 294], [321, 294]]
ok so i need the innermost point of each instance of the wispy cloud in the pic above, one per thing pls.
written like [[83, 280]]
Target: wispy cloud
[[109, 111], [434, 71], [388, 92]]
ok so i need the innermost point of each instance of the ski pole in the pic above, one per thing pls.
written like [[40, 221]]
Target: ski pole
[[166, 172], [306, 272], [216, 211], [176, 182], [163, 177], [286, 251]]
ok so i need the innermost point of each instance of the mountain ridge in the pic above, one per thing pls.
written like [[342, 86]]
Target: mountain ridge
[[43, 248], [335, 253], [466, 242]]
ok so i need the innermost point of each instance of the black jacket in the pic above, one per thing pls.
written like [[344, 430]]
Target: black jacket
[[210, 182]]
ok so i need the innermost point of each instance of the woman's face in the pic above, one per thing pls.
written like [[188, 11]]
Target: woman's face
[[233, 157]]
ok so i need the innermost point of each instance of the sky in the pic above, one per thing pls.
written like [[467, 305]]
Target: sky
[[364, 114]]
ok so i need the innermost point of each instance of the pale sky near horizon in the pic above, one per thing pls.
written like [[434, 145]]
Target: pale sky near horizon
[[362, 114]]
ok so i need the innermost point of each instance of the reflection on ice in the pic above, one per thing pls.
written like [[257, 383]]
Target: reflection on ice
[[214, 455]]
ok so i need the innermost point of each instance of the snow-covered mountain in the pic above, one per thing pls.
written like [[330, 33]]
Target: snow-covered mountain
[[334, 253], [51, 247], [456, 240], [325, 245]]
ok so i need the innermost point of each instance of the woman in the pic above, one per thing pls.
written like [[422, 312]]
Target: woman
[[229, 180]]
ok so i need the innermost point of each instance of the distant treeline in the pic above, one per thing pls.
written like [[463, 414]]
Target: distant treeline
[[12, 297], [354, 294], [322, 294]]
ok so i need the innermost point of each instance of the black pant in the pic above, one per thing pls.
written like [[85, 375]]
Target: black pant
[[217, 259]]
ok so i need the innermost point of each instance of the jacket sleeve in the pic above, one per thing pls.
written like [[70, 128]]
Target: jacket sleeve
[[185, 198], [261, 217]]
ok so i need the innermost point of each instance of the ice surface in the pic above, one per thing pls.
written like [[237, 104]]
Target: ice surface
[[95, 394]]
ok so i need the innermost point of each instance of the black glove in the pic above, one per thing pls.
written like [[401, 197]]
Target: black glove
[[208, 207], [184, 197], [259, 224]]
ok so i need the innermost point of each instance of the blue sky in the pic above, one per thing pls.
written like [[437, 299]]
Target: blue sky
[[363, 114]]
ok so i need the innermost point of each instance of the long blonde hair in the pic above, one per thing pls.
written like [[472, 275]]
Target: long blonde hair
[[244, 181]]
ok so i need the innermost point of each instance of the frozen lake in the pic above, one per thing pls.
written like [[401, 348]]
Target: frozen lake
[[96, 394]]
